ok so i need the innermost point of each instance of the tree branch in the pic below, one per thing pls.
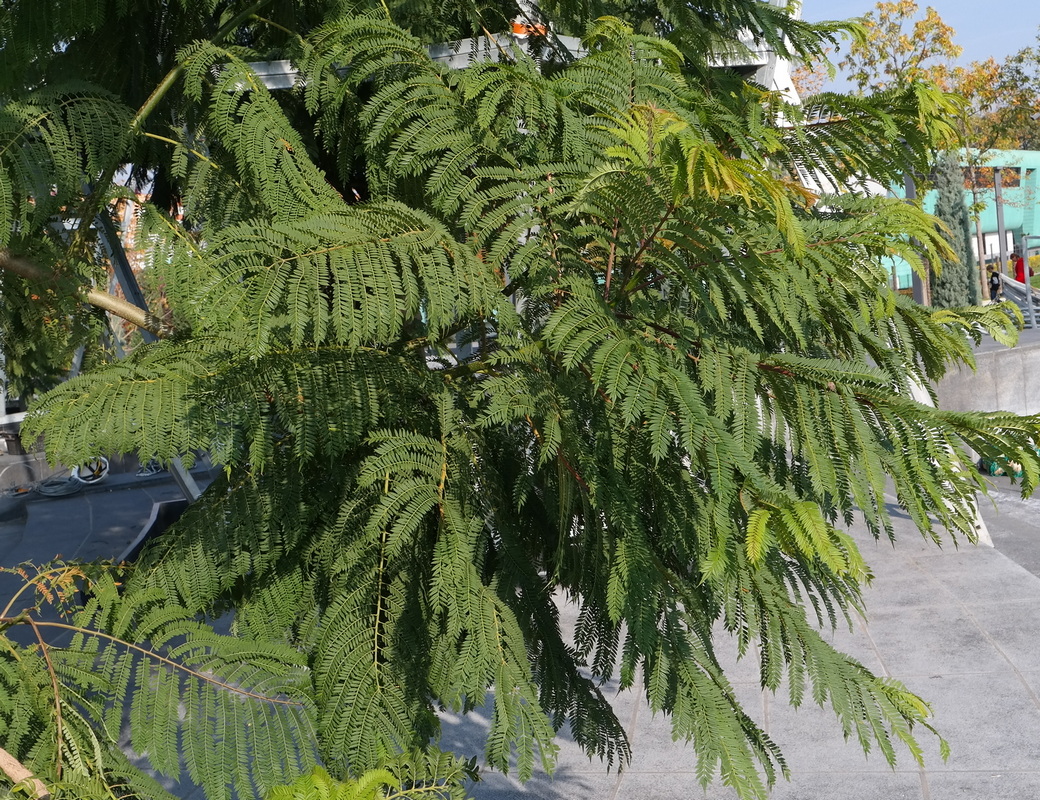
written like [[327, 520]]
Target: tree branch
[[645, 245], [203, 676], [16, 771], [56, 688], [88, 294]]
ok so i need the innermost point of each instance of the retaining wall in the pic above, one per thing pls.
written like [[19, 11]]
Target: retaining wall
[[1006, 379]]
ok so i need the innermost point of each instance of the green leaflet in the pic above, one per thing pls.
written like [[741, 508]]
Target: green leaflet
[[137, 405], [411, 774], [758, 539]]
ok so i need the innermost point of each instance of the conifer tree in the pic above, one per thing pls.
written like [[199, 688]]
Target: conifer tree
[[956, 283], [466, 341]]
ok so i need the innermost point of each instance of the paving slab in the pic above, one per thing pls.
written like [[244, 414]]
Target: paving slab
[[984, 785], [991, 721], [852, 785], [951, 644]]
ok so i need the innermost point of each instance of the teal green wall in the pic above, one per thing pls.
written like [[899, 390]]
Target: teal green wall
[[1021, 212]]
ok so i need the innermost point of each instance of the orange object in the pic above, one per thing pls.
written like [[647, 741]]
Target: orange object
[[521, 28]]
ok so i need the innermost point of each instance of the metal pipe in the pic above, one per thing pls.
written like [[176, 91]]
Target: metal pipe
[[1029, 283], [132, 290]]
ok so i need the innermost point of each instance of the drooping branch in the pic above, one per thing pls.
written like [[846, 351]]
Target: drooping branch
[[56, 688], [203, 676], [89, 294]]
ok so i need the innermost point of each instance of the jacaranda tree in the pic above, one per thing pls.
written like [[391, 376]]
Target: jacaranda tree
[[469, 343]]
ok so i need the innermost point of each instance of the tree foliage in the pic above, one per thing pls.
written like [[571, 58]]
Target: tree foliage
[[1000, 104], [956, 283], [468, 342], [1012, 122], [898, 47]]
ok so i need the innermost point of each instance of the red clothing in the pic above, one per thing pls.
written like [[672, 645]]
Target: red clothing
[[1020, 270]]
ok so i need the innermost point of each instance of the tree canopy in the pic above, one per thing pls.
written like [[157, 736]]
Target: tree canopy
[[956, 282], [466, 342], [898, 47], [1011, 117]]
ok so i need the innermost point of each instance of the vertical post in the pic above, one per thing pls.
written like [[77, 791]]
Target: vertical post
[[921, 289], [1031, 316], [998, 200], [131, 289], [1029, 283]]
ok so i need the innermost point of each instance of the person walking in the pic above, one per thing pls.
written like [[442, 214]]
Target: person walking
[[1020, 268], [994, 284]]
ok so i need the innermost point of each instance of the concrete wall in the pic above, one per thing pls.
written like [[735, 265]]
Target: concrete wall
[[1006, 379]]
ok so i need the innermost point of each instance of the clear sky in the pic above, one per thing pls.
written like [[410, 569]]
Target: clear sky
[[984, 28]]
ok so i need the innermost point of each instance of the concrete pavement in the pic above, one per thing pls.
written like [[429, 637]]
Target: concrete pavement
[[960, 626]]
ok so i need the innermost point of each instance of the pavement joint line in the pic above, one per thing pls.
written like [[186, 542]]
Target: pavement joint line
[[862, 621], [89, 528], [993, 643], [633, 719], [865, 626], [996, 773]]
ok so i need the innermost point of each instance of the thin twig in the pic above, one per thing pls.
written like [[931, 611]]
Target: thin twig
[[649, 240], [658, 328], [59, 732]]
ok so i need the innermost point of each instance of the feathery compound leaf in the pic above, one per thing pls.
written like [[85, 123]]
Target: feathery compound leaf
[[353, 278], [177, 688], [137, 405]]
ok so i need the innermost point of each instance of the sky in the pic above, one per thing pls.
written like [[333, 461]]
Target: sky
[[984, 28]]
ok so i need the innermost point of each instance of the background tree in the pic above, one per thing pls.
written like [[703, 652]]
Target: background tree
[[898, 48], [997, 114], [465, 342], [1000, 99], [810, 78], [1018, 101], [1000, 104], [956, 283], [982, 124]]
